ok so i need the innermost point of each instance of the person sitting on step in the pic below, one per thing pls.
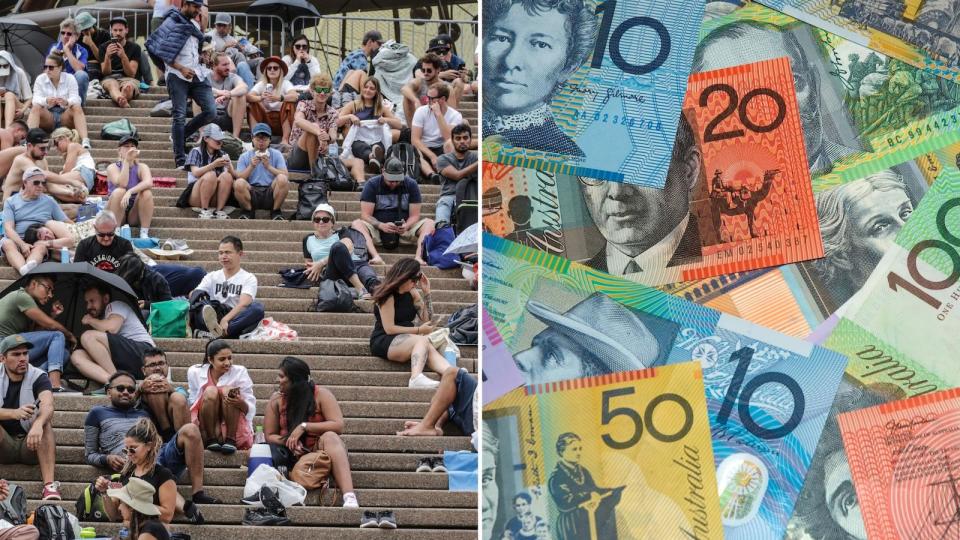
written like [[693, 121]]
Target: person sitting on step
[[56, 99], [390, 212], [395, 335], [272, 100], [314, 126], [15, 91], [120, 62], [301, 65], [74, 59], [78, 163], [303, 417], [262, 182], [368, 147], [222, 403], [27, 434], [115, 341], [50, 341], [29, 207], [137, 495], [68, 192], [432, 126], [329, 254], [223, 304], [143, 446], [457, 166], [18, 532], [131, 187], [454, 401], [210, 175]]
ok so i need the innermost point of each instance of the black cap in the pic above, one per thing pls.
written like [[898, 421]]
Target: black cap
[[442, 41], [128, 138], [37, 136], [372, 35], [119, 19]]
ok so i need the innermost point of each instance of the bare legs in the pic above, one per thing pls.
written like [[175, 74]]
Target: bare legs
[[334, 447], [418, 351], [93, 360], [213, 411], [437, 413]]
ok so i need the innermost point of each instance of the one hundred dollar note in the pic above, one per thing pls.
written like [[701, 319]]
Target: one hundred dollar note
[[924, 33], [905, 465], [497, 360], [900, 336], [768, 395], [626, 455], [590, 88]]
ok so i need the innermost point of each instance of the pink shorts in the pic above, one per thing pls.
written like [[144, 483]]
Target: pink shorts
[[244, 430]]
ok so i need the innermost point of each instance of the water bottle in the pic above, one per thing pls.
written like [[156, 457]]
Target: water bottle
[[259, 437], [451, 353], [123, 533], [334, 149], [125, 232], [259, 452], [64, 255]]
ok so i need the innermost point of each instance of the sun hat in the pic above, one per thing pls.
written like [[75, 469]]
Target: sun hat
[[274, 59], [324, 207], [137, 494]]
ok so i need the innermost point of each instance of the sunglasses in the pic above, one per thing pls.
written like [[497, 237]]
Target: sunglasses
[[321, 89], [427, 71], [66, 33], [49, 68], [273, 68], [322, 219], [39, 182], [302, 47], [124, 388], [130, 451], [106, 234], [434, 98]]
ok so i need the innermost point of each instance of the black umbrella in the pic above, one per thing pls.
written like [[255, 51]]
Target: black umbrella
[[70, 280], [26, 41], [287, 10]]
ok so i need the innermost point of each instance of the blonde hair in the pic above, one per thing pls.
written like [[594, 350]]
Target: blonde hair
[[321, 78], [62, 132]]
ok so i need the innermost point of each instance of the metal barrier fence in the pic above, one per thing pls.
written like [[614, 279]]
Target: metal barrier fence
[[333, 36]]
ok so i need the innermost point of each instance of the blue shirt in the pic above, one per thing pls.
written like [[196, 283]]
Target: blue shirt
[[104, 430], [78, 51], [25, 213], [391, 204], [355, 60], [260, 175]]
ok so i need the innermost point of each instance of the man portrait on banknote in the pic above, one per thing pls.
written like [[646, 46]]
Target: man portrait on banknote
[[488, 481], [585, 509], [530, 48], [647, 228]]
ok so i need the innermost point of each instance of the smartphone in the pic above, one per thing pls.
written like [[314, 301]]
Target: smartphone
[[398, 223], [234, 393]]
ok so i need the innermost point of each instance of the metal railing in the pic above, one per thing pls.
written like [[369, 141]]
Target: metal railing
[[333, 36]]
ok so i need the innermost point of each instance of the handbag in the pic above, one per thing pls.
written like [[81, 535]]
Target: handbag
[[312, 470], [271, 330], [335, 296], [118, 129], [169, 319]]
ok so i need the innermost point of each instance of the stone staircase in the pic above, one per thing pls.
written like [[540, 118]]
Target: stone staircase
[[372, 392]]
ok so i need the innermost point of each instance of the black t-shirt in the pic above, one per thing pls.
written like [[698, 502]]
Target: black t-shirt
[[12, 401], [156, 528], [160, 476], [391, 204], [132, 51], [104, 258], [93, 62]]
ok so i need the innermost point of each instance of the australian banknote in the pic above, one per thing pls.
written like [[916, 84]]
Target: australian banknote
[[592, 89], [924, 33], [768, 394], [903, 460], [626, 455], [900, 336], [498, 361]]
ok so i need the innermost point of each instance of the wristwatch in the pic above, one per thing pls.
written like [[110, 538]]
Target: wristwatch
[[304, 426]]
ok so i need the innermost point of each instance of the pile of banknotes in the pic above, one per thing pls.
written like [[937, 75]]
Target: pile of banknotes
[[721, 269]]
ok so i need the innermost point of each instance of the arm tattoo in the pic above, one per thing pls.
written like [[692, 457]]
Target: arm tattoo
[[429, 305]]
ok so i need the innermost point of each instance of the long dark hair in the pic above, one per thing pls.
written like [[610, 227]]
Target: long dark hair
[[301, 403], [405, 269], [213, 347]]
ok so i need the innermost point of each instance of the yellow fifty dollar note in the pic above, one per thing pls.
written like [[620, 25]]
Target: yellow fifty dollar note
[[612, 457]]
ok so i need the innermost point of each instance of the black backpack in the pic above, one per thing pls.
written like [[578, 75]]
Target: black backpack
[[53, 523], [309, 195], [467, 205], [408, 155], [13, 509], [332, 171], [463, 325]]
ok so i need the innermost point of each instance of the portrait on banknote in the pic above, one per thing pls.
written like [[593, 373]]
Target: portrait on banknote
[[530, 49], [585, 509]]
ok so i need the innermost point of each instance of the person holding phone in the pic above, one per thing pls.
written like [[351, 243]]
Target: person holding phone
[[210, 175], [130, 187], [221, 399], [390, 212], [396, 336], [120, 62]]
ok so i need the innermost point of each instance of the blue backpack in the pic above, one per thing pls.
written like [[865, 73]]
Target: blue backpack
[[436, 243]]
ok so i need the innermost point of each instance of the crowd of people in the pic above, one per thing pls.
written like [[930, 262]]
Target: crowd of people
[[295, 115]]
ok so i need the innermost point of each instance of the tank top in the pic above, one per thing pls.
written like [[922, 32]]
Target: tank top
[[404, 313], [85, 160], [132, 181], [365, 113], [310, 441]]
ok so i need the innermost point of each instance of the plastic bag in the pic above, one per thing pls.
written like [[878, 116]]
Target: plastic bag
[[271, 330], [290, 493]]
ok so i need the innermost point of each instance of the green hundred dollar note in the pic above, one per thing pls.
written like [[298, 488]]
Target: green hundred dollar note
[[625, 455], [900, 334]]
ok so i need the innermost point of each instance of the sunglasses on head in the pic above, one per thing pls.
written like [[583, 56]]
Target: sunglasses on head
[[106, 234], [124, 388], [323, 219], [302, 47], [321, 89]]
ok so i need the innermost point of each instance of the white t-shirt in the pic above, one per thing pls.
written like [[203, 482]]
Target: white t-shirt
[[131, 328], [189, 57], [261, 87], [228, 291], [160, 7], [425, 119]]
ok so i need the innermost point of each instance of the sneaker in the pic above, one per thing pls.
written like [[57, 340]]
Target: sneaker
[[206, 213], [51, 492], [180, 163], [252, 500], [262, 517], [436, 179], [85, 143], [350, 500], [144, 234], [277, 215], [437, 465], [424, 465], [248, 214], [422, 381], [378, 153], [212, 321], [270, 499], [220, 214], [192, 513], [202, 498], [369, 520], [214, 446], [228, 448], [386, 520], [373, 166], [27, 267], [202, 334]]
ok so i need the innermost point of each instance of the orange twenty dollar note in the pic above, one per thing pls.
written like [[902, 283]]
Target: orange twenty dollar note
[[905, 461], [754, 207]]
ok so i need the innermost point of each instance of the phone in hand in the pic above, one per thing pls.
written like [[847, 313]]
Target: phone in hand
[[234, 393], [398, 223]]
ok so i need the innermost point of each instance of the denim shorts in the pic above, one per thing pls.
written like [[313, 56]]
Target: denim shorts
[[172, 458], [461, 410], [88, 175], [57, 112]]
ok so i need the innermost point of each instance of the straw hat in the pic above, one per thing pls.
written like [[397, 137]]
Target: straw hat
[[137, 494]]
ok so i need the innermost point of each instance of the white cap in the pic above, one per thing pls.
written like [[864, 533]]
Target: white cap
[[32, 172], [324, 207]]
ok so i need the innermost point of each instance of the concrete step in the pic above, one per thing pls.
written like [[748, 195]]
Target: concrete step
[[346, 347], [399, 394], [141, 110], [234, 532], [322, 364], [288, 208]]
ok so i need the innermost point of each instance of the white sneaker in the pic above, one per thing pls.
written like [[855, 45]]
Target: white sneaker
[[220, 214], [422, 381], [206, 213], [144, 234], [27, 267], [86, 143], [211, 320], [350, 500]]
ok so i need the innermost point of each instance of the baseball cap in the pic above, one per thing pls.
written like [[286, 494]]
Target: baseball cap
[[324, 207], [119, 19], [213, 131], [128, 138], [442, 41], [372, 35], [394, 170], [223, 18], [251, 50], [37, 136], [84, 21], [12, 342], [33, 172], [262, 129]]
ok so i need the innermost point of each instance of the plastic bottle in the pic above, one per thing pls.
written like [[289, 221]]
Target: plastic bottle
[[451, 352], [334, 149], [125, 232], [259, 437], [123, 533], [64, 255]]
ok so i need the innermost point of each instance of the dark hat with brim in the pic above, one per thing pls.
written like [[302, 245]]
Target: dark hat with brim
[[274, 59]]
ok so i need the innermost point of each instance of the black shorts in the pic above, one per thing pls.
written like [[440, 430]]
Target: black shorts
[[461, 410], [223, 120], [261, 197], [127, 354]]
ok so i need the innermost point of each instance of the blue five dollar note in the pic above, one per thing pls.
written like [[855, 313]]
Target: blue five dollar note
[[603, 102]]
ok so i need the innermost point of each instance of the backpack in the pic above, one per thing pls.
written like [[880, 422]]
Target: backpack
[[436, 243], [53, 522], [232, 146], [13, 509], [90, 502], [466, 207], [332, 171], [309, 195], [118, 129], [408, 155], [335, 296], [463, 326]]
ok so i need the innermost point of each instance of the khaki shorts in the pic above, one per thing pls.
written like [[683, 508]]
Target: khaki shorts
[[410, 237], [13, 450], [125, 81]]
